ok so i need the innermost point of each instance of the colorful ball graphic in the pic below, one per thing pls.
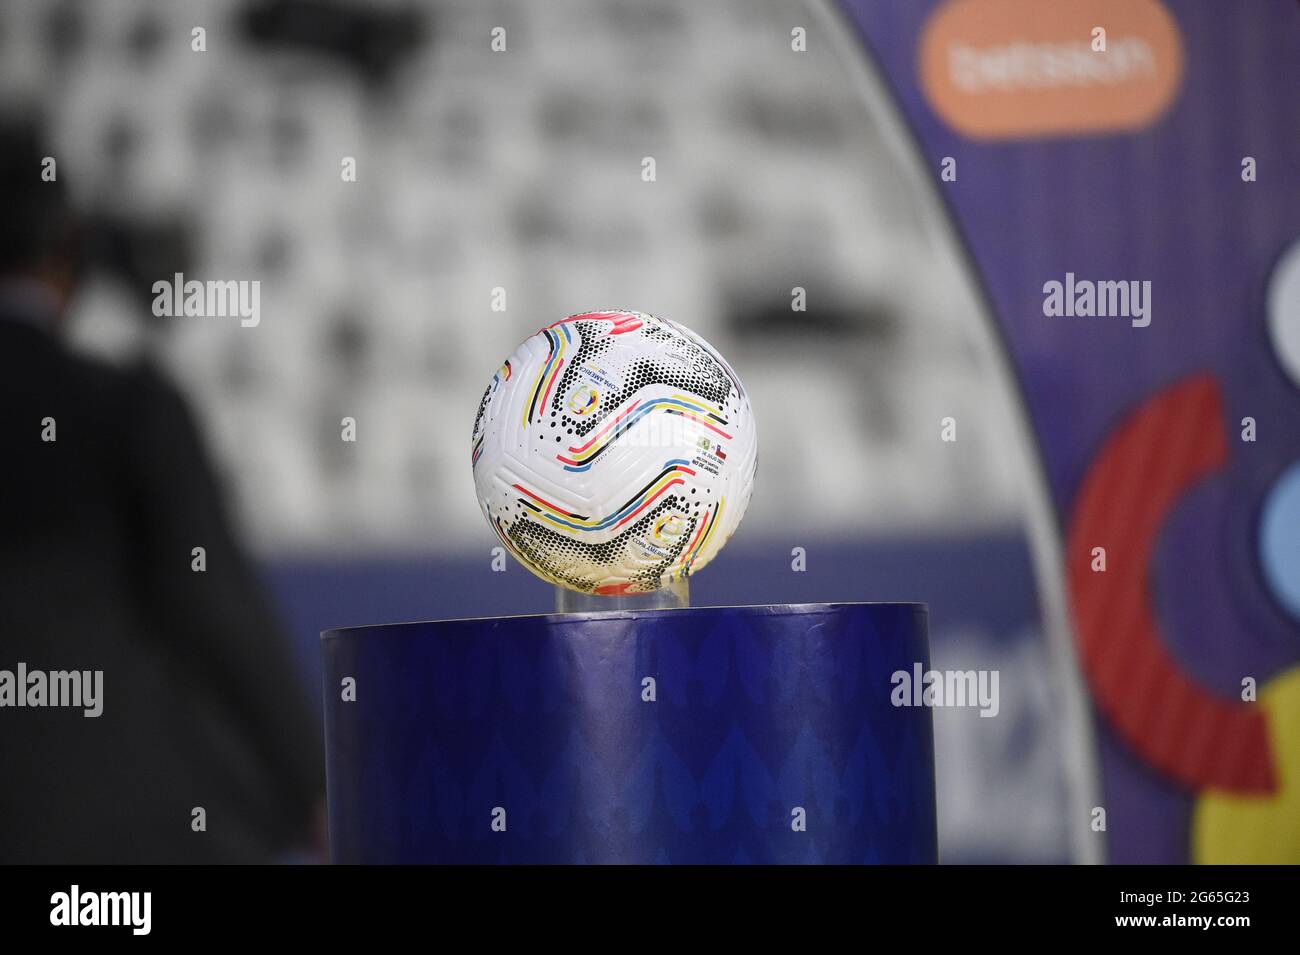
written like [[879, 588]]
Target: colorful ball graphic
[[614, 452]]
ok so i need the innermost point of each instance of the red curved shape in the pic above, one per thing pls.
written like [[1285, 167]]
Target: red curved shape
[[613, 590], [1163, 447], [624, 325]]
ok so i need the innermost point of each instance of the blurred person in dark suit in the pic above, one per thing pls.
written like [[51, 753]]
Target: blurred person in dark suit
[[201, 706]]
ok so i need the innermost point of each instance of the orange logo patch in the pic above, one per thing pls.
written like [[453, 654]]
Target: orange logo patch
[[1018, 69]]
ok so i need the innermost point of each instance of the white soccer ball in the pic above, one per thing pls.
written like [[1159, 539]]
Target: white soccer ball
[[614, 452]]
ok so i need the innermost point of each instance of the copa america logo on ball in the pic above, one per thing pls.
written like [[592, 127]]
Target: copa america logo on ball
[[614, 452]]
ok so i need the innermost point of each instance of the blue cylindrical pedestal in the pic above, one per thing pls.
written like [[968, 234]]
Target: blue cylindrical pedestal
[[713, 735]]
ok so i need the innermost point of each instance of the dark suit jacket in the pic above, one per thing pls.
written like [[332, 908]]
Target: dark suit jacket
[[202, 706]]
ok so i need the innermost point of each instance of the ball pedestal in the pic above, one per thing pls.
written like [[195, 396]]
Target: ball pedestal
[[713, 735]]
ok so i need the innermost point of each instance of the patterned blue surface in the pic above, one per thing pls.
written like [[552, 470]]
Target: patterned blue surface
[[759, 710]]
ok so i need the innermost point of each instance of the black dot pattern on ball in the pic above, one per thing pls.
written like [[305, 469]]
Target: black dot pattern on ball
[[554, 554], [702, 375], [482, 407]]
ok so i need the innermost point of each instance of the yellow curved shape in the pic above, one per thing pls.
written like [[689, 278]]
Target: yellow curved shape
[[1234, 829]]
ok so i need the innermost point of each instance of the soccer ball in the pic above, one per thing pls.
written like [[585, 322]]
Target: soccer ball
[[614, 452]]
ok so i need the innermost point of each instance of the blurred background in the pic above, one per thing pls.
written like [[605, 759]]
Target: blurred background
[[796, 220]]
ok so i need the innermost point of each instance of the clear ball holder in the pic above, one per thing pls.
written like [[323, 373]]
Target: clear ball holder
[[767, 734], [673, 596]]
